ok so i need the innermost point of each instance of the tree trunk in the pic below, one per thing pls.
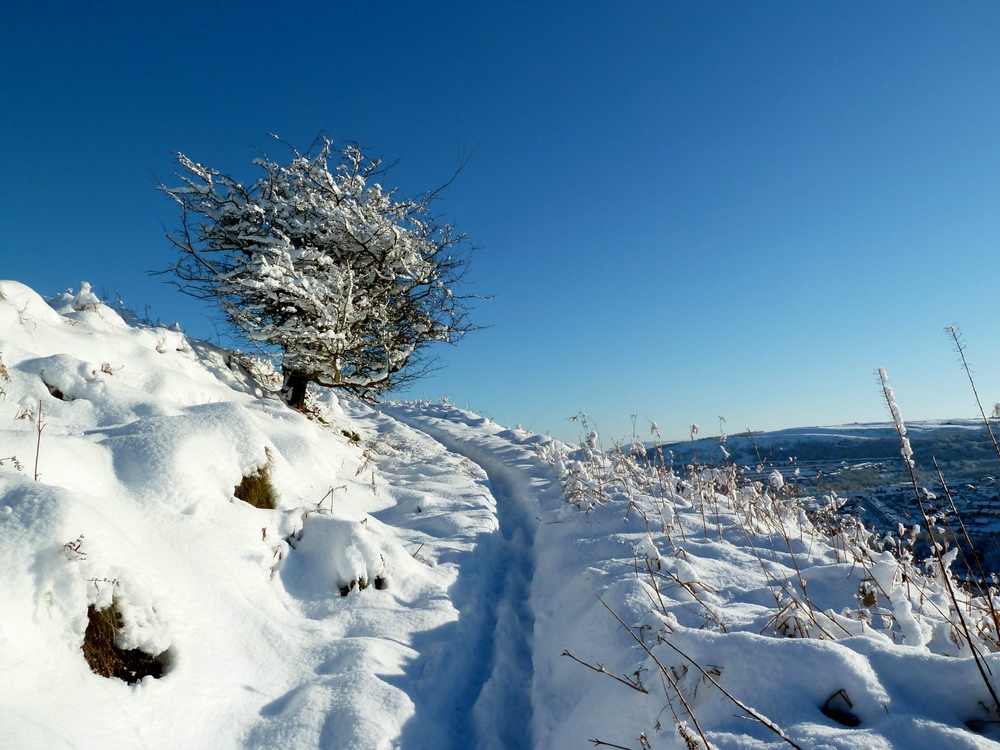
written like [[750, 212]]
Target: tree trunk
[[294, 390]]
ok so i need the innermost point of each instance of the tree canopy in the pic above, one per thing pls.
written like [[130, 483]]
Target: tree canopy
[[348, 281]]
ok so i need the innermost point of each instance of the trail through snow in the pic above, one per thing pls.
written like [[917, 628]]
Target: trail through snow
[[493, 709]]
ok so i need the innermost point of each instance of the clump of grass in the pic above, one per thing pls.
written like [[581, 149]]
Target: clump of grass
[[257, 489], [106, 658]]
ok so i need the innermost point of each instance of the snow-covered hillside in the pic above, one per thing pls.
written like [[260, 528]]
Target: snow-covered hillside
[[427, 579]]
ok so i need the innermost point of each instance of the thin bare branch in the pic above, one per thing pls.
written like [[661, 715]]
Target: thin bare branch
[[601, 670]]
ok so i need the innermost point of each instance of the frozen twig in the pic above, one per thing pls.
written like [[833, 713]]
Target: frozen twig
[[756, 715], [637, 685], [39, 426], [956, 337]]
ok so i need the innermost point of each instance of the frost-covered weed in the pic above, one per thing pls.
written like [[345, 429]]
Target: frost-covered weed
[[589, 476], [959, 628], [369, 457], [261, 369]]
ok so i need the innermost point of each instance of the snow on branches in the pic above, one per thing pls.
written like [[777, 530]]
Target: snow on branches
[[348, 281]]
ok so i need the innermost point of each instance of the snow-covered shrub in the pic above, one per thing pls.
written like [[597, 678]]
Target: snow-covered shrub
[[85, 299], [256, 488], [590, 476], [333, 554], [66, 378], [106, 657], [347, 281]]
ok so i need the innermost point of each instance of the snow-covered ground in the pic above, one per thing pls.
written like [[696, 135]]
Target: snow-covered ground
[[472, 557]]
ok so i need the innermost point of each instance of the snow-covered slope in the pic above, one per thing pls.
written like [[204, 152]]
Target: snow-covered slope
[[421, 578], [138, 461]]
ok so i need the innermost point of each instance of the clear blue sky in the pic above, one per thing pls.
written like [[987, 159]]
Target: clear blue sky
[[685, 210]]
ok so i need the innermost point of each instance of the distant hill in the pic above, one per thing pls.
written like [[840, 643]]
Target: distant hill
[[856, 457]]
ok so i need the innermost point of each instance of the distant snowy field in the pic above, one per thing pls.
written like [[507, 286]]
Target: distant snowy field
[[484, 551]]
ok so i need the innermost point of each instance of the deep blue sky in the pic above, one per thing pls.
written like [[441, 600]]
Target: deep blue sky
[[684, 210]]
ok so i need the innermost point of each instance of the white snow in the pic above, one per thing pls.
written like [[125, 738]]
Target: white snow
[[422, 576]]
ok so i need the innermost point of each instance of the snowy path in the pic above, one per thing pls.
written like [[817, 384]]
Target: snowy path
[[493, 702], [420, 652]]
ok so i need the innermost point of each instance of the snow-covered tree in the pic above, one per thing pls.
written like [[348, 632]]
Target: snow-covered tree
[[347, 281]]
